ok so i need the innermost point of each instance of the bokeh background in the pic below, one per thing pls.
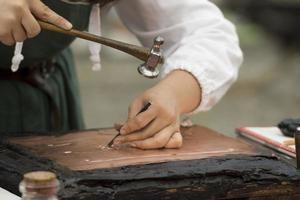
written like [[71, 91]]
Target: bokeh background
[[266, 92]]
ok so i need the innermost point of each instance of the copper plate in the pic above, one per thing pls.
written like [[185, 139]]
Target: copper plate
[[85, 150]]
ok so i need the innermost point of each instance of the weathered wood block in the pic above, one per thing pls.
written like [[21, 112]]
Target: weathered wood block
[[208, 166]]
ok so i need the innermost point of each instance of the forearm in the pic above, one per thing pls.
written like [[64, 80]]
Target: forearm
[[200, 41]]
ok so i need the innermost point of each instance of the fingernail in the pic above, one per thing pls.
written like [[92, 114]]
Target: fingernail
[[133, 145], [119, 140], [115, 143], [117, 126], [123, 131], [68, 25]]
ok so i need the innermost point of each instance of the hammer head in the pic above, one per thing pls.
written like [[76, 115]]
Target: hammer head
[[150, 68]]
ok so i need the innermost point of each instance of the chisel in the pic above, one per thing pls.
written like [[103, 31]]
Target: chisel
[[142, 110]]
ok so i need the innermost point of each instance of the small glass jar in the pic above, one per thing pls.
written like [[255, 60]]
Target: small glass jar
[[40, 185]]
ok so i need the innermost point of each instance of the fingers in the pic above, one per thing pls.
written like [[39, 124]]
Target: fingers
[[175, 141], [30, 25], [17, 22], [7, 39], [135, 108], [19, 34], [151, 130], [139, 121], [10, 15], [118, 126], [159, 140], [43, 12]]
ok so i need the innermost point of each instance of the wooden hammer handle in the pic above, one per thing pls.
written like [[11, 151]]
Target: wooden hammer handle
[[136, 51]]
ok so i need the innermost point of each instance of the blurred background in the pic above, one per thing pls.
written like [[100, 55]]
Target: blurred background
[[266, 92]]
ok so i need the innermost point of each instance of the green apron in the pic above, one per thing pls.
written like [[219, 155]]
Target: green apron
[[24, 108]]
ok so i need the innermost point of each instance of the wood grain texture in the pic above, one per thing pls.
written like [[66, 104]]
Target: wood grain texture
[[241, 176]]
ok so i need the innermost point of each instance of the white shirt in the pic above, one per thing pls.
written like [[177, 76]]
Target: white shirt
[[198, 40]]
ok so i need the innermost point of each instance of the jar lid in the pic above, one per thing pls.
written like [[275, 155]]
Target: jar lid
[[39, 177]]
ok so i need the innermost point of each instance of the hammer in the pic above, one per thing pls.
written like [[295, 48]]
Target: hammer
[[152, 57]]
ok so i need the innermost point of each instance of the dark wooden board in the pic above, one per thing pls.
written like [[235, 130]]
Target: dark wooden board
[[245, 176]]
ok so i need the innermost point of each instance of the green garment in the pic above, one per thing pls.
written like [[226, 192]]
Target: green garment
[[24, 108]]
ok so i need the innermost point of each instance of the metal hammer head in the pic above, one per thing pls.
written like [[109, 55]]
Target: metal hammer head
[[150, 68]]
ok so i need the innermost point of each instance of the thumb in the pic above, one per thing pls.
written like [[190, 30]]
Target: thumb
[[43, 12], [175, 142], [118, 126], [135, 108]]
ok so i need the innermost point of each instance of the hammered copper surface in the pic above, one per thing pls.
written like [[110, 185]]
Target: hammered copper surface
[[85, 150]]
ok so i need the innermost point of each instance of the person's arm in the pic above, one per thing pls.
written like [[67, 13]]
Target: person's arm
[[18, 19], [202, 60]]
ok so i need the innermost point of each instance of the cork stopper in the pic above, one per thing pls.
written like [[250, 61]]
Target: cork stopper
[[39, 177]]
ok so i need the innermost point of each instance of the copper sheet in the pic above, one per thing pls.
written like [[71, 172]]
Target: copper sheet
[[84, 150]]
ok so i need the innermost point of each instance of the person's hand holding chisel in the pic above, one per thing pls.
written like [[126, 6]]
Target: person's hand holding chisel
[[159, 125]]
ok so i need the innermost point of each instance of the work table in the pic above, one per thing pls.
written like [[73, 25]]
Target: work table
[[209, 166]]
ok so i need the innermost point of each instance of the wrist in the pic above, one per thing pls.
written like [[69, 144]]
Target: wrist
[[184, 88]]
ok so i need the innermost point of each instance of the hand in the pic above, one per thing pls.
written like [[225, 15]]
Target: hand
[[159, 126], [17, 19], [174, 142]]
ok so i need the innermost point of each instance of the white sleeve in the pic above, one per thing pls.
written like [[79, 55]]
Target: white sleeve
[[198, 39]]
